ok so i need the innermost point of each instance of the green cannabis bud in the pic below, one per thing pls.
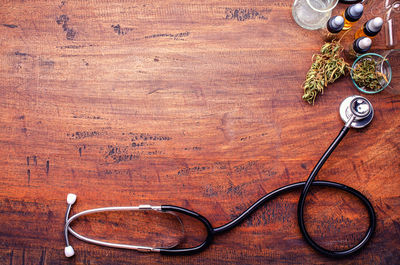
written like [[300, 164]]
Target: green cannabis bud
[[366, 75], [326, 68]]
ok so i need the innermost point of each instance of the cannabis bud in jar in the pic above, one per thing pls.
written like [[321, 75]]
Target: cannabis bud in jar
[[367, 74]]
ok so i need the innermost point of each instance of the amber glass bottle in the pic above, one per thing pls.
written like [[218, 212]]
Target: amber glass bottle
[[370, 29], [352, 14]]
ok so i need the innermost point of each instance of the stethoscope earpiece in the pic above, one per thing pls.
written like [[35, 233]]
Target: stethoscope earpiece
[[71, 198], [356, 111], [69, 250]]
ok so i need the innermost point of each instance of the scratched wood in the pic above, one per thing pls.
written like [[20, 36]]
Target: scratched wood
[[191, 103]]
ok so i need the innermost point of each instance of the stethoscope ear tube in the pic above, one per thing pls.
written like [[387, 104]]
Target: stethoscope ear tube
[[170, 209]]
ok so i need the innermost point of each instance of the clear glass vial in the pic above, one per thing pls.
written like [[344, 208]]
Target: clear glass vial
[[312, 14]]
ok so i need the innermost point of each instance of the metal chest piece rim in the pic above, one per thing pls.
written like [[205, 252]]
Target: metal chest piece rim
[[346, 112]]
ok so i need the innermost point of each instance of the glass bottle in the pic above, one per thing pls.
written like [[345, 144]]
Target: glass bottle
[[352, 14], [370, 29], [312, 14]]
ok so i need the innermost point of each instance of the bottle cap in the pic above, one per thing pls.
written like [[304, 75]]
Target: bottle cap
[[375, 24], [338, 21], [356, 10], [364, 43], [335, 24]]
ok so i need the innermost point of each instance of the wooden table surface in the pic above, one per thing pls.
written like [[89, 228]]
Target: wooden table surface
[[191, 103]]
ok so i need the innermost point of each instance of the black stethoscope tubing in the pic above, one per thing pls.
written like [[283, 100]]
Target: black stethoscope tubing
[[306, 185]]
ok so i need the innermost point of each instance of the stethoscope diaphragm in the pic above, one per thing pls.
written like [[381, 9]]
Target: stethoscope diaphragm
[[359, 107]]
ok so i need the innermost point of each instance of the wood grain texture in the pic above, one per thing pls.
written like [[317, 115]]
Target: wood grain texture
[[191, 103]]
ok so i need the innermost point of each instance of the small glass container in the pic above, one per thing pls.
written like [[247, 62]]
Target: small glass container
[[312, 14], [383, 66]]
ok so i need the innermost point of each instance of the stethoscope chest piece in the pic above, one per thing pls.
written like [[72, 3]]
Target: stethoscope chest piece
[[357, 108]]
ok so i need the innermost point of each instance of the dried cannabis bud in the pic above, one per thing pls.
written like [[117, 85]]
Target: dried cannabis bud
[[366, 76], [326, 68]]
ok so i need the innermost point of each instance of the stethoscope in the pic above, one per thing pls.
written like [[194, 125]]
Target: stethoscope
[[355, 111]]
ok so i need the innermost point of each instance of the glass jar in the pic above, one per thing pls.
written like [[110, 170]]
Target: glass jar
[[313, 14]]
